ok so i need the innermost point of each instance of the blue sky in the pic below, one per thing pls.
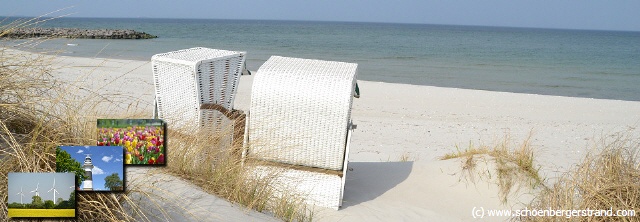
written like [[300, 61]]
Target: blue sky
[[571, 14], [43, 181], [106, 160]]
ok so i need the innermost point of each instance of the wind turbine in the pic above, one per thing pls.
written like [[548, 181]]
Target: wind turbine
[[21, 195], [36, 190], [54, 190]]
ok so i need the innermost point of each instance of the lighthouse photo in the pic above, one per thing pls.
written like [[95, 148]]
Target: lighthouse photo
[[97, 168], [88, 167]]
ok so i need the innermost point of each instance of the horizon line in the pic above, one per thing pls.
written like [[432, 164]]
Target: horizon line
[[336, 21]]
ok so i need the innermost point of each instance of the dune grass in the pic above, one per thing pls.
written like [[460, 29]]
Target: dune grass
[[211, 163], [514, 164], [607, 178], [38, 112], [408, 157]]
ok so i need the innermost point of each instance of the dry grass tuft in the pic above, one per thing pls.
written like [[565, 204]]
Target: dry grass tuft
[[605, 181], [514, 164], [408, 157], [607, 178], [211, 163]]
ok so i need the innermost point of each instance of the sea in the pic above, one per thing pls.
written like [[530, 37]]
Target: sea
[[574, 63]]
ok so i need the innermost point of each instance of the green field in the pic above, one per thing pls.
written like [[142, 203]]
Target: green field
[[42, 212]]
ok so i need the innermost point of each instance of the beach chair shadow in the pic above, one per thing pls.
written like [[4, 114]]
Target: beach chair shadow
[[369, 180], [299, 127]]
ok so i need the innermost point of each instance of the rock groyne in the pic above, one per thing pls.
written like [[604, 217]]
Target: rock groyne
[[22, 33]]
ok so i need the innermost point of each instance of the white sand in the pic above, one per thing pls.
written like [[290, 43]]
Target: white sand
[[423, 123]]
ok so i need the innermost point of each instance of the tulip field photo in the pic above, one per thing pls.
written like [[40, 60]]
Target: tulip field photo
[[143, 140]]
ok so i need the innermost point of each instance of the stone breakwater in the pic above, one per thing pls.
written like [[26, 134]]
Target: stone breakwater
[[22, 33]]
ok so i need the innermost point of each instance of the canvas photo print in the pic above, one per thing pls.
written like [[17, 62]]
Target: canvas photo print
[[97, 168], [41, 195], [143, 140]]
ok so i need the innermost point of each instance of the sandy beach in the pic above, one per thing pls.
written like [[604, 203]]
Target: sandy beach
[[402, 131]]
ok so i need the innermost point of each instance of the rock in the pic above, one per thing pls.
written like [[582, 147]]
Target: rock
[[22, 33]]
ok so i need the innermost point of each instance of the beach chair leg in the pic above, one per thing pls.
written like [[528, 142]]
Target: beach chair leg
[[238, 134], [245, 142], [155, 108], [345, 166]]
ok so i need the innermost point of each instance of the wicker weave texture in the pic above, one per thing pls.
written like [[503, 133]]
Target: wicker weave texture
[[218, 81], [300, 110], [195, 55], [315, 188], [187, 78], [176, 96], [219, 124]]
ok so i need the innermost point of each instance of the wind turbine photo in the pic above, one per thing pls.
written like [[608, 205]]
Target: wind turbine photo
[[61, 204], [54, 190], [36, 190], [21, 195]]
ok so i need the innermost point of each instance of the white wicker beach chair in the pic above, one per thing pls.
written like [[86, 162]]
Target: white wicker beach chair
[[187, 80], [300, 119]]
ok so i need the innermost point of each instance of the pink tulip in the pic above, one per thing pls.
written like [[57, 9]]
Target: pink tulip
[[161, 159]]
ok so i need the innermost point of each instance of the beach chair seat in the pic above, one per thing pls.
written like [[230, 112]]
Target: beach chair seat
[[186, 81], [316, 187], [300, 120]]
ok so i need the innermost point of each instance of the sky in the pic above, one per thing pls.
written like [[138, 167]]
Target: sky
[[43, 181], [105, 159], [563, 14]]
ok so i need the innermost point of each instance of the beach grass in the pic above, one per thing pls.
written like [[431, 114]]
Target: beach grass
[[514, 164], [408, 157], [214, 163], [605, 181], [607, 178]]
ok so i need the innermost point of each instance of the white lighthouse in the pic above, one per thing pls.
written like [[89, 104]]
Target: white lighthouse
[[88, 166]]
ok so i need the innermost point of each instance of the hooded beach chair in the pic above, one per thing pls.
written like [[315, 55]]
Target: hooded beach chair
[[196, 87], [299, 127]]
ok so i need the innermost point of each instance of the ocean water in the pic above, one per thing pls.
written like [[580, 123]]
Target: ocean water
[[577, 63]]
